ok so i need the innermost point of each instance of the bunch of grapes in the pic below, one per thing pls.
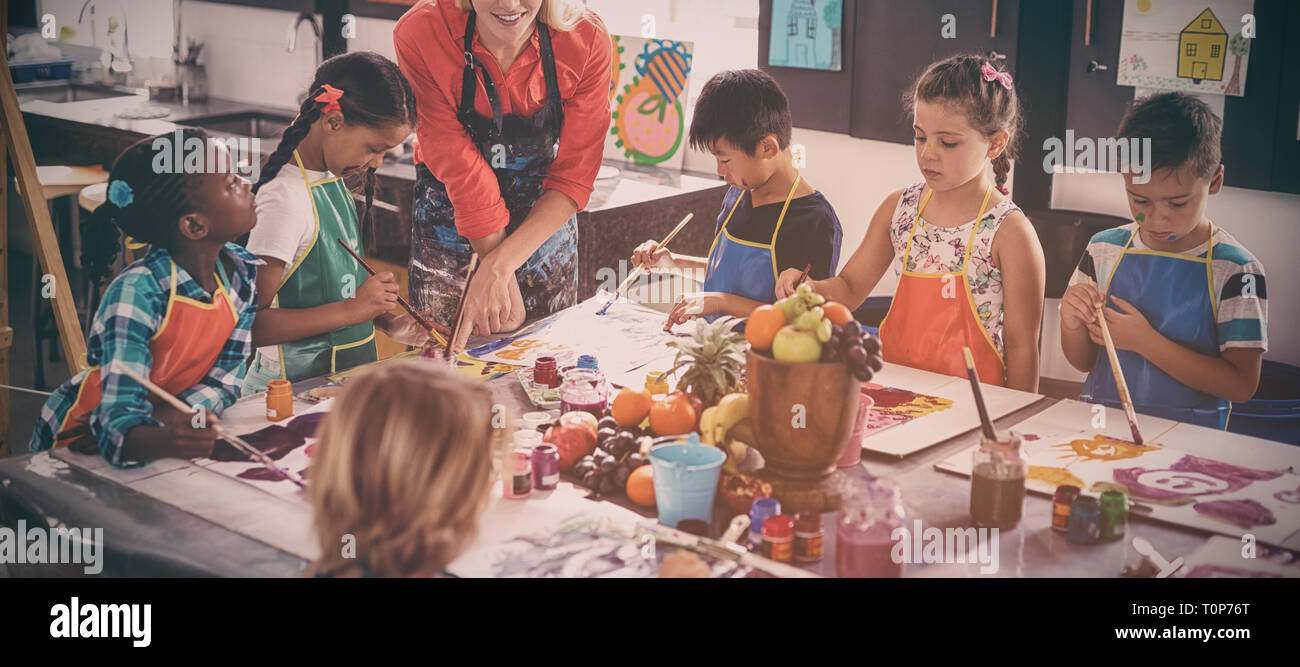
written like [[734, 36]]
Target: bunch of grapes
[[856, 348], [618, 453]]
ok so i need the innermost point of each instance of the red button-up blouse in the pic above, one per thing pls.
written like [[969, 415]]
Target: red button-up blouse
[[429, 40]]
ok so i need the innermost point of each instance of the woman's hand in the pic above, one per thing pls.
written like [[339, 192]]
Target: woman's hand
[[651, 256], [376, 296], [488, 305]]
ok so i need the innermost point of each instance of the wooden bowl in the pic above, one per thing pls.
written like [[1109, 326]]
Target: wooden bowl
[[802, 414]]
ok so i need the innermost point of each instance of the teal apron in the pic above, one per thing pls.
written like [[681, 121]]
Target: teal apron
[[744, 268], [1175, 293], [326, 274]]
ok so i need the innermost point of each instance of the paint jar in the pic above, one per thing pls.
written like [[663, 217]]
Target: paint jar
[[865, 537], [997, 489], [537, 421], [1114, 515], [1061, 501], [588, 362], [546, 373], [656, 382], [809, 537], [778, 538], [759, 511], [1085, 520], [279, 400], [526, 439], [584, 389], [517, 477], [852, 454], [545, 464]]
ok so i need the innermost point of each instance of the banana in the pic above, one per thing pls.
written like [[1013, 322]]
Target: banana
[[708, 419], [742, 430]]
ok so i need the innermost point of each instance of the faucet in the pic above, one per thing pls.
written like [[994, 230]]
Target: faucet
[[117, 57], [291, 36]]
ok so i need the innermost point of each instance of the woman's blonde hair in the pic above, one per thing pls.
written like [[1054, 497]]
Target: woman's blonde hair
[[403, 464], [559, 15]]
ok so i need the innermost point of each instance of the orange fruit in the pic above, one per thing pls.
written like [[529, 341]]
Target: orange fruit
[[763, 324], [630, 407], [641, 486], [838, 313], [672, 415]]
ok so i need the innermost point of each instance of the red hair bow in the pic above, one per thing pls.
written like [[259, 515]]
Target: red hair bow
[[991, 74], [330, 98]]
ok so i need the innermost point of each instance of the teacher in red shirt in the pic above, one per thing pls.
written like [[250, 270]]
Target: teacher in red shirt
[[514, 106]]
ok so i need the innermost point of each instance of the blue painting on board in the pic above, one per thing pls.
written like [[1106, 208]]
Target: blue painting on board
[[806, 34]]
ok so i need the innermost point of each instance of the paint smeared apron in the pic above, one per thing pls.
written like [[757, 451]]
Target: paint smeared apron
[[326, 274], [745, 268], [933, 316], [1175, 293], [183, 350], [519, 149]]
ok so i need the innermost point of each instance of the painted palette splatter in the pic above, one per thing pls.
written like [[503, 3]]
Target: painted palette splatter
[[289, 443], [894, 406]]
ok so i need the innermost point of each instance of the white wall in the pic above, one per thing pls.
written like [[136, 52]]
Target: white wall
[[244, 52]]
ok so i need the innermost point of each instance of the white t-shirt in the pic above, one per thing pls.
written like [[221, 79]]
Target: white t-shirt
[[285, 223]]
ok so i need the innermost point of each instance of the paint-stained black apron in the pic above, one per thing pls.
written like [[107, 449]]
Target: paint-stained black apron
[[519, 149]]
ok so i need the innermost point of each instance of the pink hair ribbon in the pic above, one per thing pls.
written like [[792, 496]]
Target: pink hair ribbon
[[991, 74]]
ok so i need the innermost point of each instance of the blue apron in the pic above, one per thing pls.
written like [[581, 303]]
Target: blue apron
[[523, 147], [1175, 293], [745, 268]]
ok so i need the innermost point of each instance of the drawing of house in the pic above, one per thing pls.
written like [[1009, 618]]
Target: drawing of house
[[1202, 48], [800, 34]]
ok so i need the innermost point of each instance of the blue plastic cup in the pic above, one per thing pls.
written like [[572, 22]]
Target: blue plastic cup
[[686, 478]]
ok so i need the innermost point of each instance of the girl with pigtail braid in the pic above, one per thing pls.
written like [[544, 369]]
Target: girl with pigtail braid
[[319, 308], [990, 273]]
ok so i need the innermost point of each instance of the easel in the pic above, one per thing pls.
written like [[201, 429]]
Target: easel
[[19, 149]]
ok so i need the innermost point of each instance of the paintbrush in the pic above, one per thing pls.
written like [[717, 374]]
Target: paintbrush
[[235, 441], [1120, 384], [985, 422], [460, 307], [637, 271], [803, 276], [428, 326]]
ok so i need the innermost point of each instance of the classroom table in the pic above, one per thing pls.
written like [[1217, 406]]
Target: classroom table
[[171, 523]]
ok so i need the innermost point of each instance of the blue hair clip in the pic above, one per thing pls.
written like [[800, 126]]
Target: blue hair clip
[[119, 192]]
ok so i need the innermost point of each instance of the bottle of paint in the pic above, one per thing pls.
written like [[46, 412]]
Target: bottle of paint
[[1085, 520], [584, 389], [588, 362], [546, 373], [527, 439], [1114, 515], [1061, 501], [279, 400], [865, 539], [759, 511], [852, 454], [778, 538], [997, 490], [808, 537], [517, 476], [537, 421], [656, 383], [545, 464]]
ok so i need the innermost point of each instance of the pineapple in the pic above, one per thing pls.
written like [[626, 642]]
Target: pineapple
[[710, 362]]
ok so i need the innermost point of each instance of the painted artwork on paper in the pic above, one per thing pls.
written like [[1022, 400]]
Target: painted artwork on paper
[[289, 443], [807, 34], [894, 406], [1195, 47], [1226, 557], [648, 120]]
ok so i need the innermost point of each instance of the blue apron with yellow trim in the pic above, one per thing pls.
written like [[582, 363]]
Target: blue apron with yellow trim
[[745, 268], [1175, 293]]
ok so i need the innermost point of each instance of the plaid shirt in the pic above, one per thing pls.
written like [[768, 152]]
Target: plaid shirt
[[131, 313]]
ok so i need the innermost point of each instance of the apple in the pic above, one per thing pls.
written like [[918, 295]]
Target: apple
[[795, 346], [582, 417], [574, 440]]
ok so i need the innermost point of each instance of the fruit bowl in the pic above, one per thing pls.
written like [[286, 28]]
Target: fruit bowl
[[800, 444]]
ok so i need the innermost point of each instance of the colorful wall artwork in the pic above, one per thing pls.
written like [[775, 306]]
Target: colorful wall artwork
[[649, 84], [1195, 47], [806, 34]]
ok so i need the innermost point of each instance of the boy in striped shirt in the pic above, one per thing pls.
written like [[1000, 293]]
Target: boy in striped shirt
[[1185, 301]]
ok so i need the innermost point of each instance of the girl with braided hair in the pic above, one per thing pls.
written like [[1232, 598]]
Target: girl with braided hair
[[965, 282], [319, 310]]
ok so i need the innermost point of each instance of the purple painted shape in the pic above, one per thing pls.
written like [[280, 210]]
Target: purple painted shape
[[1187, 478], [1292, 497], [260, 474], [1219, 571], [1242, 511], [306, 425], [275, 441]]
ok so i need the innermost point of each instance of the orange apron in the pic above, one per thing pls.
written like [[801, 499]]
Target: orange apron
[[184, 349], [929, 321]]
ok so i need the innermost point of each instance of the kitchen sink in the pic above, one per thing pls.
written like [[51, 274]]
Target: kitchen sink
[[68, 92], [256, 124]]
